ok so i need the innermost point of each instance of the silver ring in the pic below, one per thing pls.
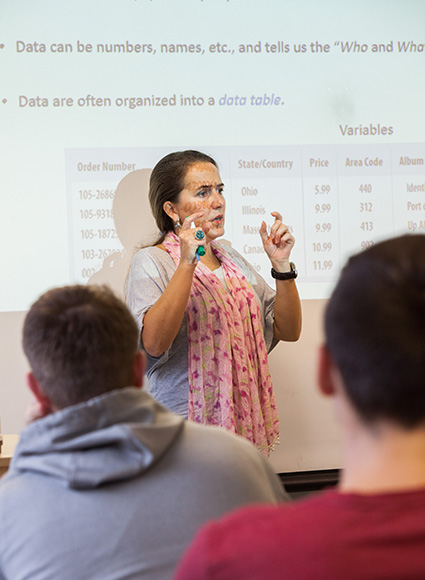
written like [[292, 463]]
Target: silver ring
[[199, 235]]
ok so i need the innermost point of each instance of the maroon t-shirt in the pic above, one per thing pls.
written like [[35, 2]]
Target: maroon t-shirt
[[329, 536]]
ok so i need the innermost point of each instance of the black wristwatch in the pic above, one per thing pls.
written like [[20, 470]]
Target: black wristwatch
[[291, 275]]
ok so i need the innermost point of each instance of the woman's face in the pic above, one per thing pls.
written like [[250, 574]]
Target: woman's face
[[203, 191]]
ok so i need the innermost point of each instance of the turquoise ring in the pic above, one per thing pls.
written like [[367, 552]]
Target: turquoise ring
[[199, 235]]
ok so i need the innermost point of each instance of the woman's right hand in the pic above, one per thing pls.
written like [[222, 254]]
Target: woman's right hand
[[187, 238]]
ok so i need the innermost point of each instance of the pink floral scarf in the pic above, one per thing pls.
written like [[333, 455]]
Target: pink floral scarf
[[229, 378]]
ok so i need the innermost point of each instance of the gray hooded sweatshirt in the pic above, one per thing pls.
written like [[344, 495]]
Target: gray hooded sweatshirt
[[116, 487]]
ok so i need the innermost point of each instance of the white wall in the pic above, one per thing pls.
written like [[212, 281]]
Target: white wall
[[309, 434]]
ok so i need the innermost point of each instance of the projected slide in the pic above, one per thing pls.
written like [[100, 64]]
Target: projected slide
[[336, 201], [313, 109]]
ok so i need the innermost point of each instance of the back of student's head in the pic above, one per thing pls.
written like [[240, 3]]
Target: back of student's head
[[375, 330], [80, 342]]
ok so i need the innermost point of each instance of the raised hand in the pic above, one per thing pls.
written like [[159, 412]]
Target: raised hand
[[278, 243], [189, 242]]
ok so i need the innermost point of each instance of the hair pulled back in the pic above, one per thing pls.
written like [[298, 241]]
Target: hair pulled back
[[167, 182]]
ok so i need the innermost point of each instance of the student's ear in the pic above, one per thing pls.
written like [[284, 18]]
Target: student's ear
[[325, 372], [44, 404], [139, 367]]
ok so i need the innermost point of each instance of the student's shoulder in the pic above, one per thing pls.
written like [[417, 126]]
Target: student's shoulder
[[267, 539], [284, 519], [230, 454], [218, 438]]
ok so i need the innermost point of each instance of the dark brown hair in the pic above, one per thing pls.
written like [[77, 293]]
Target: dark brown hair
[[167, 182], [375, 330], [80, 342]]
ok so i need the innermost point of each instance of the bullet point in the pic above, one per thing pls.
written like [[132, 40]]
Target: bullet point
[[4, 101]]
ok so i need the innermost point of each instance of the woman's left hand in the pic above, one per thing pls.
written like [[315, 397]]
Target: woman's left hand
[[278, 244]]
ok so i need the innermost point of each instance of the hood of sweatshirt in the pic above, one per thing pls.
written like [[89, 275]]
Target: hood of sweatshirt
[[116, 436]]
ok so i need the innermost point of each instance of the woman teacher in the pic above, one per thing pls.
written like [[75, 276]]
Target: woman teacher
[[207, 318]]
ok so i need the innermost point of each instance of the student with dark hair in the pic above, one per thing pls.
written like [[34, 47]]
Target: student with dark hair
[[207, 318], [373, 366], [105, 482]]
